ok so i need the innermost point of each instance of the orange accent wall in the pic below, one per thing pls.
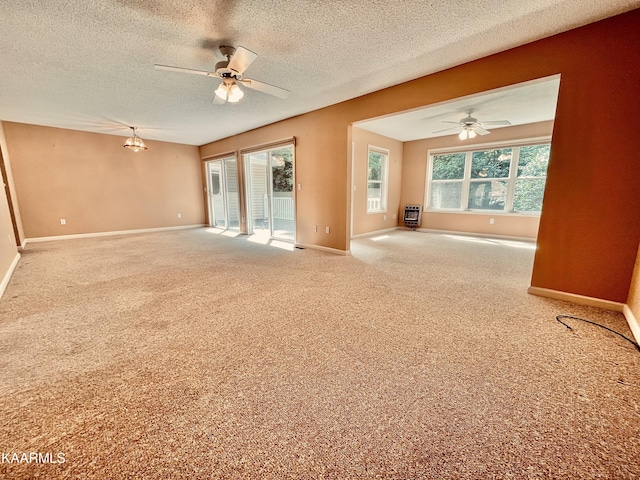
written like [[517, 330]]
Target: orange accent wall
[[589, 227], [96, 185]]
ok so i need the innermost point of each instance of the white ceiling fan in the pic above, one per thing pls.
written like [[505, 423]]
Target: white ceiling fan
[[231, 71], [469, 126]]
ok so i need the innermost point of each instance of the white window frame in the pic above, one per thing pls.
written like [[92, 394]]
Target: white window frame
[[384, 182], [466, 180]]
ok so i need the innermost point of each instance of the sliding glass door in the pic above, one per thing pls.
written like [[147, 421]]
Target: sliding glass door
[[222, 189], [270, 193]]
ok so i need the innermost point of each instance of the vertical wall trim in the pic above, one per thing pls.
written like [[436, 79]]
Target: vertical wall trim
[[7, 276]]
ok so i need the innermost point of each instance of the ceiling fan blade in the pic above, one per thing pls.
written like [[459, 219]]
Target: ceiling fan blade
[[185, 70], [447, 129], [241, 59], [448, 121], [497, 122], [481, 131], [265, 88]]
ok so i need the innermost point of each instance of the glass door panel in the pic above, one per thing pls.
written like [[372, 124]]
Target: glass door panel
[[217, 217], [282, 200], [258, 193], [222, 190], [270, 193], [231, 192]]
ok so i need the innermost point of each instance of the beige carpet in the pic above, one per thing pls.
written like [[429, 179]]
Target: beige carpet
[[187, 354]]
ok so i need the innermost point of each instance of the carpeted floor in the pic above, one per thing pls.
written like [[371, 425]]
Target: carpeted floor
[[187, 354]]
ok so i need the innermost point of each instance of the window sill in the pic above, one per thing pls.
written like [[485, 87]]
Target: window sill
[[485, 212]]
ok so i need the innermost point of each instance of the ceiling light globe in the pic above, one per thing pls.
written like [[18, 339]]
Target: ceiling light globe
[[221, 91], [235, 94]]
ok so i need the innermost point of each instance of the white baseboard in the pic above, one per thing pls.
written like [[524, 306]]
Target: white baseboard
[[324, 249], [634, 326], [106, 234], [473, 234], [376, 232], [632, 321], [7, 276], [575, 298]]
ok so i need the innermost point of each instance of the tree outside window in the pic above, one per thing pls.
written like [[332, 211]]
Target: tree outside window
[[510, 179]]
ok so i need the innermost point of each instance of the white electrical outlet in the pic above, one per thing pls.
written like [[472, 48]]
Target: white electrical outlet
[[179, 215], [315, 228], [63, 221], [327, 230], [491, 221]]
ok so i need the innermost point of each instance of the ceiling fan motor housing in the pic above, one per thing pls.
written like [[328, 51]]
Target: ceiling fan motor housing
[[469, 121]]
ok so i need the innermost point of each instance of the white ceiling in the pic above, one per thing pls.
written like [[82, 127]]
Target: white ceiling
[[88, 65], [520, 104]]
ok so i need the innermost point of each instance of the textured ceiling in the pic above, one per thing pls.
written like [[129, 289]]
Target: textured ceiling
[[520, 104], [88, 65]]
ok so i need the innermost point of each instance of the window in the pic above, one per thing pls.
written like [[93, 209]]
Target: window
[[532, 172], [377, 180], [509, 179], [447, 177], [489, 179]]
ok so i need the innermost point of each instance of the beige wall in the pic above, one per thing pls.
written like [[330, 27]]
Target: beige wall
[[414, 177], [321, 167], [4, 153], [8, 244], [8, 247], [96, 185], [364, 222]]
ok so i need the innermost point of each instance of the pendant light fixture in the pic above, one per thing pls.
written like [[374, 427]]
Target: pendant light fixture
[[135, 143]]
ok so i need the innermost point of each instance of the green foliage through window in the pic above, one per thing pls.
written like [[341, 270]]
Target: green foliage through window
[[491, 163], [494, 181], [282, 169], [448, 166]]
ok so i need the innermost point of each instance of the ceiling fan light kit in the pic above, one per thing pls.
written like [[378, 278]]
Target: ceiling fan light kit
[[470, 127], [134, 142], [231, 72], [229, 92], [467, 133]]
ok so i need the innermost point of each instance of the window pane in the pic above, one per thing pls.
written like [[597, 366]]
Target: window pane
[[533, 161], [489, 195], [376, 161], [448, 167], [376, 185], [282, 169], [491, 163], [528, 195], [374, 196], [446, 195], [374, 190]]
